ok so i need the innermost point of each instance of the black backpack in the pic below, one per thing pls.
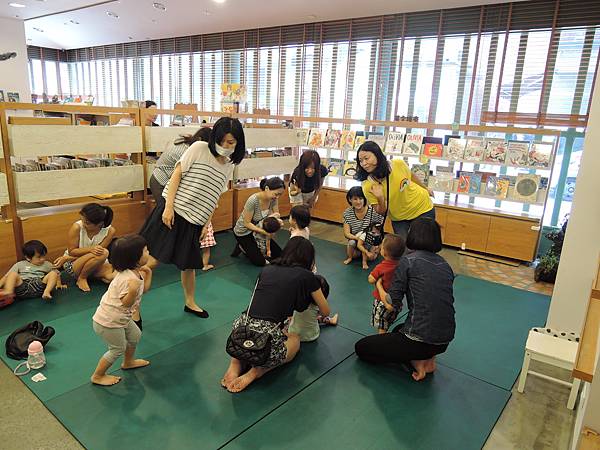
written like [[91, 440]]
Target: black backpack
[[19, 340]]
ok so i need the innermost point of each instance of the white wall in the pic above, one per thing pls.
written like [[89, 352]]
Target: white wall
[[579, 259], [14, 73]]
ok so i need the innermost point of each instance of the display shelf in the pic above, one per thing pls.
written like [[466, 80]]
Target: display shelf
[[4, 197], [260, 167], [468, 194]]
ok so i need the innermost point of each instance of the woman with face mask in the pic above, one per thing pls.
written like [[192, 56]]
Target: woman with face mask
[[176, 226]]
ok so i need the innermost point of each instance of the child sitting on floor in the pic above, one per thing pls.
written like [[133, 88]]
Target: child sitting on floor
[[299, 221], [271, 225], [113, 318], [34, 276], [385, 313]]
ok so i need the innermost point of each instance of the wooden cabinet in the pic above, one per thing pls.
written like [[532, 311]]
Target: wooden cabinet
[[223, 216], [8, 254], [470, 229], [441, 217], [512, 238], [330, 206]]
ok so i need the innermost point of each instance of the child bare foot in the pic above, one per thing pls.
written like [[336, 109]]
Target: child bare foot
[[365, 266], [135, 364], [347, 261], [47, 296], [420, 369], [208, 267], [82, 284], [105, 380]]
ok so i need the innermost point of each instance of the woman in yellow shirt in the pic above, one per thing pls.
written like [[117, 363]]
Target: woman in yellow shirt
[[409, 198]]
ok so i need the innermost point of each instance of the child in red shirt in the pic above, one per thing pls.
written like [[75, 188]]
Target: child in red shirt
[[384, 313]]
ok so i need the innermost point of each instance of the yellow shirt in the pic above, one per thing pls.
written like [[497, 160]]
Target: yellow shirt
[[407, 199]]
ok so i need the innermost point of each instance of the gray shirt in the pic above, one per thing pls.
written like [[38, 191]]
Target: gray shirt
[[29, 271], [253, 206], [167, 161]]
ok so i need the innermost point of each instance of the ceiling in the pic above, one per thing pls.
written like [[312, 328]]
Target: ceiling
[[68, 24]]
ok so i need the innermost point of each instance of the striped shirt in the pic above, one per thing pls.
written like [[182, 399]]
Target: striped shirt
[[253, 206], [203, 180], [167, 161], [357, 225]]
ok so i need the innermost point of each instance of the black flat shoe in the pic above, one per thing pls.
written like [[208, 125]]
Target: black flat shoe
[[203, 314]]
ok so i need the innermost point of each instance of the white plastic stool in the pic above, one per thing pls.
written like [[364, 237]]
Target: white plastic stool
[[552, 347]]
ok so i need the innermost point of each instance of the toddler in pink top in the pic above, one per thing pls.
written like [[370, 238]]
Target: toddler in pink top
[[113, 318]]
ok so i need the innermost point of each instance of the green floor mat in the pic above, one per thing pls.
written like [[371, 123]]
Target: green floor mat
[[359, 406], [72, 354], [177, 401], [492, 323]]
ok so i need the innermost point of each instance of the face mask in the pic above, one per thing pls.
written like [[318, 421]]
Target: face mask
[[223, 151]]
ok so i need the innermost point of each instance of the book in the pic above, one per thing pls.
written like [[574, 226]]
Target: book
[[433, 147], [540, 154], [502, 184], [412, 144], [316, 138], [378, 138], [464, 183], [421, 171], [394, 142], [336, 167], [495, 150], [441, 182], [347, 139], [302, 136], [475, 149], [13, 97], [449, 136], [526, 188], [475, 185], [455, 148], [332, 138], [359, 140], [490, 186], [516, 153], [350, 169]]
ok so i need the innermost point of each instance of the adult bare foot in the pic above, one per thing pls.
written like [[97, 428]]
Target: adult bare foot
[[136, 363], [47, 296], [82, 283], [208, 267], [105, 380], [332, 320], [347, 261], [420, 371], [242, 382], [233, 371]]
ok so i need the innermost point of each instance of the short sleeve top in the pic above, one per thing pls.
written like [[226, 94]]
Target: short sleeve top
[[111, 312], [253, 206]]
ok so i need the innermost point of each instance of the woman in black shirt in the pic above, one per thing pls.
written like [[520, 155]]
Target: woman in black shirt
[[283, 287], [306, 181]]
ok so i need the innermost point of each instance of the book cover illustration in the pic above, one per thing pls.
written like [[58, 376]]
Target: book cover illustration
[[495, 151], [433, 147], [526, 188], [378, 138], [449, 136], [412, 144], [316, 138], [540, 155], [475, 185], [517, 152], [490, 186], [347, 139], [464, 183], [359, 140], [302, 136], [475, 149], [394, 142], [350, 169], [332, 139], [441, 182], [455, 148], [336, 167], [13, 97], [502, 184], [421, 171]]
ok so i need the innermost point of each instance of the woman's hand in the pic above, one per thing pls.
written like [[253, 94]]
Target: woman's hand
[[294, 189], [97, 250], [431, 194], [168, 216], [377, 190], [60, 261]]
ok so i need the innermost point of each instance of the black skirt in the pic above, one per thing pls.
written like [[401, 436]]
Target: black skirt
[[179, 245]]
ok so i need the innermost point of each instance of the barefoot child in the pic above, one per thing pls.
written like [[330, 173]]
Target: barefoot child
[[112, 320], [271, 225], [34, 276], [88, 241], [384, 313], [205, 244]]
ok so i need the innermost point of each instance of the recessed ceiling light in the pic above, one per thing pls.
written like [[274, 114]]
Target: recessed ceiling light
[[38, 29], [159, 6], [16, 5], [112, 14], [219, 1], [74, 22]]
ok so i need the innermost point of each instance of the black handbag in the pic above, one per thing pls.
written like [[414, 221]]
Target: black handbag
[[18, 341], [247, 345], [374, 232]]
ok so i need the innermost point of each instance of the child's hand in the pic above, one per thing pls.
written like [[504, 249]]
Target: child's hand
[[145, 271], [204, 233]]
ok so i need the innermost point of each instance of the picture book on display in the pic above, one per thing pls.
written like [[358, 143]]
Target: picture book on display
[[540, 155], [526, 188], [464, 183], [475, 185], [449, 136], [475, 149], [378, 138], [490, 186], [412, 144], [302, 135], [502, 185], [332, 139], [421, 171], [441, 182], [350, 169], [495, 150], [517, 153], [347, 139], [433, 147], [455, 148], [336, 167], [394, 142], [359, 140], [316, 138]]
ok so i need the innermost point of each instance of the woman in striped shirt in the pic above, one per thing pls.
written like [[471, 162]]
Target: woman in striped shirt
[[177, 225]]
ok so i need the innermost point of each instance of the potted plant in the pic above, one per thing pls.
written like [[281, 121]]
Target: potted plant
[[548, 265]]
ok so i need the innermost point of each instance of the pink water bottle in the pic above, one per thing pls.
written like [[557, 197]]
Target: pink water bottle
[[36, 358]]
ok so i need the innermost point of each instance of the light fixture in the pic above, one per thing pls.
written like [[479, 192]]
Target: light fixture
[[74, 22], [219, 1], [159, 6], [38, 30], [114, 15], [16, 5]]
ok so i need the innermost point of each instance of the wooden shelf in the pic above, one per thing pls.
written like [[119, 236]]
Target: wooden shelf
[[585, 363]]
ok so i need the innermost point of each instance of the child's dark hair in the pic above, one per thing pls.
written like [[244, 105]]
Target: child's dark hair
[[301, 214], [272, 183], [149, 103], [297, 252], [356, 191], [324, 285], [31, 248], [203, 134], [308, 158], [222, 127], [394, 246], [97, 214], [271, 225], [126, 251], [383, 167], [424, 234]]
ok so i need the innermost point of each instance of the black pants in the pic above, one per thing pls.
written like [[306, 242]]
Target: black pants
[[248, 245], [395, 347]]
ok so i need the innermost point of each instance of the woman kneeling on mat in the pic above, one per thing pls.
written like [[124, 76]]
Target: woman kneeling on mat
[[285, 286], [427, 281]]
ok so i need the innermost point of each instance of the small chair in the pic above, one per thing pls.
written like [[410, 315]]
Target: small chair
[[557, 348]]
